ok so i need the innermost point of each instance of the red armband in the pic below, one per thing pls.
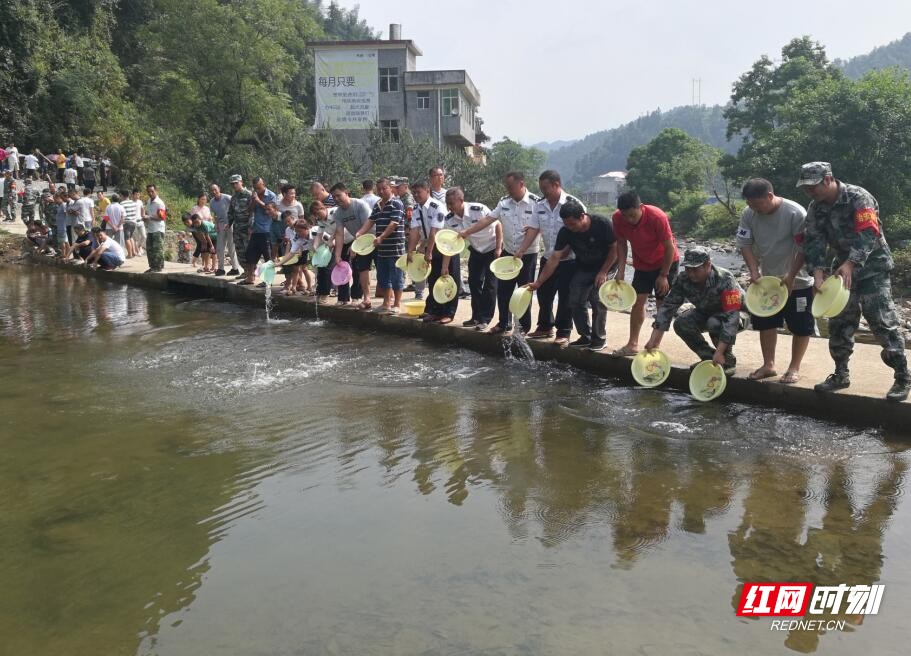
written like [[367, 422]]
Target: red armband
[[866, 218], [730, 300], [798, 239]]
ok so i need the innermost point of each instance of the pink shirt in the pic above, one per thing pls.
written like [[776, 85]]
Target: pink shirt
[[203, 212]]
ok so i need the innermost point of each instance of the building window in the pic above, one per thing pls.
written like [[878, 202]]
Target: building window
[[389, 79], [423, 100], [390, 130], [449, 102]]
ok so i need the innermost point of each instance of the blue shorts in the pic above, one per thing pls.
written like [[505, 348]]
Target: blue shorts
[[388, 275]]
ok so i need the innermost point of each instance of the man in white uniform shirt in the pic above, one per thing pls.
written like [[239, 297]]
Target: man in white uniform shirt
[[483, 247], [547, 220], [426, 221], [516, 212]]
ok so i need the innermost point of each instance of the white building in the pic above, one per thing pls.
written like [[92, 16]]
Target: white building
[[604, 189]]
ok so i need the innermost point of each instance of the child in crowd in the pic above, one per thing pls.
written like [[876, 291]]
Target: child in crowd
[[207, 237], [183, 248], [324, 234], [187, 219], [287, 219], [296, 258]]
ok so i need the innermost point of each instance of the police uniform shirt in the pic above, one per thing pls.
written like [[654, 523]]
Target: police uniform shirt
[[483, 241], [515, 217], [301, 244], [548, 221], [427, 217], [324, 230]]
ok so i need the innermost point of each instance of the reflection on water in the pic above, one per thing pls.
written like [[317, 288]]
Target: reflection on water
[[180, 477]]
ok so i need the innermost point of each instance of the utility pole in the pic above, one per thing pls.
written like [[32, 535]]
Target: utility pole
[[696, 89]]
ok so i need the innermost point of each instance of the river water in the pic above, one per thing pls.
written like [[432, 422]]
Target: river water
[[180, 477]]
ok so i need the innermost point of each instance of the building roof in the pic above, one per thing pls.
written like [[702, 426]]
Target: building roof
[[446, 78], [386, 44], [614, 174]]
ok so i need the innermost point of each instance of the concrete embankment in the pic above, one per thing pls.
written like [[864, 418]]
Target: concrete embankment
[[861, 405]]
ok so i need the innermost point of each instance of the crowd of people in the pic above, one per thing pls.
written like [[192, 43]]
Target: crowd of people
[[76, 169], [566, 254]]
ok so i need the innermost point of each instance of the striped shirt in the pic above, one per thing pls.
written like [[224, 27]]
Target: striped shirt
[[384, 214], [131, 209]]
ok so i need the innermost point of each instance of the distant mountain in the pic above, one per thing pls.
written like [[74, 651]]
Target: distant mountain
[[549, 146], [607, 150], [897, 53], [583, 159]]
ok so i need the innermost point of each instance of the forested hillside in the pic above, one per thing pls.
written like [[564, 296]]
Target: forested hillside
[[608, 150], [897, 53], [187, 88]]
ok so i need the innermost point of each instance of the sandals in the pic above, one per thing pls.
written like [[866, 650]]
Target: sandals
[[365, 306], [756, 375], [624, 352], [789, 378], [444, 320], [499, 330]]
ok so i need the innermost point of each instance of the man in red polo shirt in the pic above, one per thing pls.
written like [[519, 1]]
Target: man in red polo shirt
[[647, 230]]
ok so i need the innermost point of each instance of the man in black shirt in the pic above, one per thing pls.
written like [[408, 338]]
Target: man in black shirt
[[591, 238], [84, 243]]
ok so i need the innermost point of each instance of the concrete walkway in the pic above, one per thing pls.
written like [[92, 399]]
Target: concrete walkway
[[861, 404]]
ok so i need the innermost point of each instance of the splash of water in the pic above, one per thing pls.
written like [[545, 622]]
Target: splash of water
[[515, 347], [269, 307]]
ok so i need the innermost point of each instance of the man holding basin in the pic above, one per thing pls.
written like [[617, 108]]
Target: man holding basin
[[845, 218]]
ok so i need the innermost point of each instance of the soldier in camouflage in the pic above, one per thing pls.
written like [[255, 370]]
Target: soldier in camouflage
[[239, 213], [716, 296], [9, 197], [30, 198], [845, 219]]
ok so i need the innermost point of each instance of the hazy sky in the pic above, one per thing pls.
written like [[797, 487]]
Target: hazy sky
[[564, 68]]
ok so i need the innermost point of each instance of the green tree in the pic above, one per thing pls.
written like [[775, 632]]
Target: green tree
[[862, 127], [760, 94], [671, 165]]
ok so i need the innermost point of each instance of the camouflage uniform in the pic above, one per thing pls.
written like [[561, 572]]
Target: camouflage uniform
[[239, 215], [47, 212], [717, 309], [9, 199], [29, 202], [852, 229], [47, 208]]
